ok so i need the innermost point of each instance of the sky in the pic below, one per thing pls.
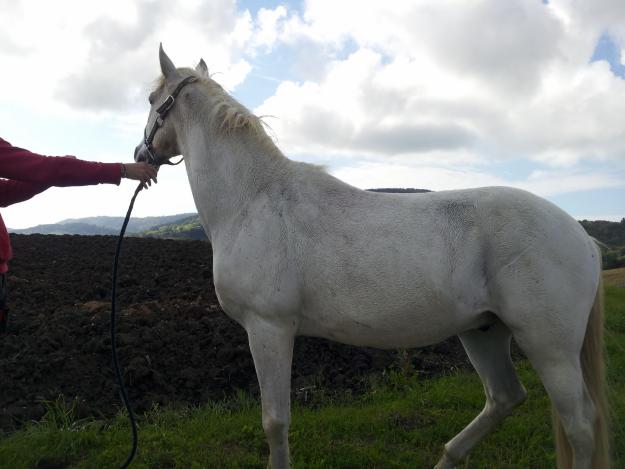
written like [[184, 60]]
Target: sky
[[432, 94]]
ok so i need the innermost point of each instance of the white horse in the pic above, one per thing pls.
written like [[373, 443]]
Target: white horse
[[299, 252]]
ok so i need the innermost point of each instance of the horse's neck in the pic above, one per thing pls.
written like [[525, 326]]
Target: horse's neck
[[226, 173]]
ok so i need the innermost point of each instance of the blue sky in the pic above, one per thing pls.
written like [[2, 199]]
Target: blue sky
[[434, 94], [609, 51]]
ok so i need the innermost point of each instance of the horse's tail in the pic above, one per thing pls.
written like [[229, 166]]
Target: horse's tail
[[593, 369]]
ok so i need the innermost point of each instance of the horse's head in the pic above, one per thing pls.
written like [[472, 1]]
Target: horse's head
[[160, 141]]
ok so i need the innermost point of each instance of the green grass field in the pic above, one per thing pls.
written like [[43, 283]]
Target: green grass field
[[401, 423], [615, 277]]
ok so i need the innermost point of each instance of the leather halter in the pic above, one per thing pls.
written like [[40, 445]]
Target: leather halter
[[161, 113]]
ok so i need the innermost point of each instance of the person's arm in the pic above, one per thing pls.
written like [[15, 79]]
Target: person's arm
[[12, 192], [22, 165]]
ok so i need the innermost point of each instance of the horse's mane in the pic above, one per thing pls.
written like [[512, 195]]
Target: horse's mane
[[226, 115]]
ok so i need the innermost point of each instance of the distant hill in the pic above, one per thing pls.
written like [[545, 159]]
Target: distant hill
[[186, 228], [407, 190], [101, 225], [608, 232], [67, 228], [613, 234]]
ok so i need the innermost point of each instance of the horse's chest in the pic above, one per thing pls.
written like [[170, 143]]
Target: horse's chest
[[246, 287]]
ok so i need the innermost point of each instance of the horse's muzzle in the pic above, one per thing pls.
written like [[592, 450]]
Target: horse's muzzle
[[141, 153]]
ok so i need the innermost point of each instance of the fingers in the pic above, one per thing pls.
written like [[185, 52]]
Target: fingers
[[142, 172], [148, 173]]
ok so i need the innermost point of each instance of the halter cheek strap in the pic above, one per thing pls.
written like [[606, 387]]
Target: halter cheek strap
[[161, 113]]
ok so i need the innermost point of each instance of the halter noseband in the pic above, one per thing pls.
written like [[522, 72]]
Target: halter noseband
[[161, 113]]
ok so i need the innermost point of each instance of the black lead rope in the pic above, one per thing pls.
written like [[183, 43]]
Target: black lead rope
[[118, 373], [161, 113]]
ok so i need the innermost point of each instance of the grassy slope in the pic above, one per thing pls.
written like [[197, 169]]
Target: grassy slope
[[187, 228], [402, 422], [615, 277]]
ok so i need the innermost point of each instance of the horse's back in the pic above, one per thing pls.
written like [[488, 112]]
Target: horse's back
[[507, 227]]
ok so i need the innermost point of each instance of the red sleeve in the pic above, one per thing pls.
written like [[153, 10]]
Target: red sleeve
[[12, 192], [22, 165]]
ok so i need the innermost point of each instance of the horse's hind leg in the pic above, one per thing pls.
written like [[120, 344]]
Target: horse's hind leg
[[272, 350], [560, 371], [489, 352]]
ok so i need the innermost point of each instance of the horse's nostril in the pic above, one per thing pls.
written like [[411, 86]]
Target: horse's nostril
[[140, 153]]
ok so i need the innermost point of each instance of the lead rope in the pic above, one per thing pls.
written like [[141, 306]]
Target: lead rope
[[161, 113], [118, 373]]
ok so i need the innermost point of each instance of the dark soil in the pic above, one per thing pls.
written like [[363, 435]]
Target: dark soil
[[176, 345]]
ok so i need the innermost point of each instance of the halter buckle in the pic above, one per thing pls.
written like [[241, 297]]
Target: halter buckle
[[166, 106]]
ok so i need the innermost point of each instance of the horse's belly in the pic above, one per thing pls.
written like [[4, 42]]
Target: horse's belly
[[387, 329]]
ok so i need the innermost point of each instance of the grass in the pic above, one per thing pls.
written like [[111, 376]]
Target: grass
[[401, 423], [615, 277]]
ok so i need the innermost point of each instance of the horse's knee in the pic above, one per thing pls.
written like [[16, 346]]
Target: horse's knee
[[275, 427], [582, 439]]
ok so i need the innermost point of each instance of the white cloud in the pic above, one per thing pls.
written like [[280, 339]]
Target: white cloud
[[126, 46], [549, 183], [595, 17], [364, 107], [598, 216], [503, 43], [501, 79], [374, 174], [437, 178], [268, 25], [103, 56]]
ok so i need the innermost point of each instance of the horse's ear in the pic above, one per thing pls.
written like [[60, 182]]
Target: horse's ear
[[167, 66], [201, 68]]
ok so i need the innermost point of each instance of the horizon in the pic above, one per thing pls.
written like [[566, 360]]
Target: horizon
[[438, 94], [189, 214]]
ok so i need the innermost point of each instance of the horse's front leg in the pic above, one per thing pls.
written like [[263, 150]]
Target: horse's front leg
[[272, 350]]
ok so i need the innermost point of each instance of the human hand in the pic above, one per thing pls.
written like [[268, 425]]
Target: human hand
[[143, 172]]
